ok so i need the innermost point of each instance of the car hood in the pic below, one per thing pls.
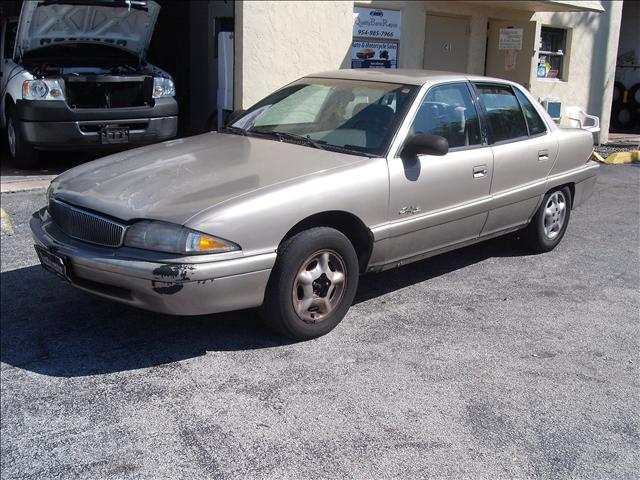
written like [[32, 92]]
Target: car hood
[[126, 25], [174, 180]]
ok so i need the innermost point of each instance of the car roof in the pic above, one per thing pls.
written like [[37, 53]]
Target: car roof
[[401, 75]]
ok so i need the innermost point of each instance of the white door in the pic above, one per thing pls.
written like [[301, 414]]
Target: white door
[[446, 43]]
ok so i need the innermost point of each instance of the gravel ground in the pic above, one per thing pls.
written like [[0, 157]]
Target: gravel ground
[[606, 150], [484, 363]]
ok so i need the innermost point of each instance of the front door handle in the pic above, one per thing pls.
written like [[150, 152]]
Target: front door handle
[[479, 171], [543, 155]]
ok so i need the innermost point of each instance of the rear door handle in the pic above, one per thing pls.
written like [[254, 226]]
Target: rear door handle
[[479, 171], [543, 155]]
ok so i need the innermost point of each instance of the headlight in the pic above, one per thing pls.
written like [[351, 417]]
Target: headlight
[[172, 238], [45, 89], [163, 87]]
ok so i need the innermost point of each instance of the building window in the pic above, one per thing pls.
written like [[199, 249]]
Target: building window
[[552, 51]]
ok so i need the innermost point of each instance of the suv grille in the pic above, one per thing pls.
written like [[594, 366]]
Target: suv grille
[[86, 226], [108, 91]]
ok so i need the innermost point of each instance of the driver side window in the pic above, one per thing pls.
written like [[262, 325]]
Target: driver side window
[[448, 111]]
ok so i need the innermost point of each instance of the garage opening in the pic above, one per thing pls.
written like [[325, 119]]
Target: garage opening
[[625, 105]]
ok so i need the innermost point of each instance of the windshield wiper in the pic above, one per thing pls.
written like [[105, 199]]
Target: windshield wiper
[[346, 149], [319, 144], [295, 138], [234, 130]]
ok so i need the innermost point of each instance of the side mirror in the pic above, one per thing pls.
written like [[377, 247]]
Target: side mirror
[[424, 144], [236, 114]]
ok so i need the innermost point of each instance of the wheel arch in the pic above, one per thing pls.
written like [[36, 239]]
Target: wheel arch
[[570, 185], [9, 103], [347, 223]]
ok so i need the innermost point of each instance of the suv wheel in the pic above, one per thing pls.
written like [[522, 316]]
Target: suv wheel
[[22, 155], [312, 284], [550, 222]]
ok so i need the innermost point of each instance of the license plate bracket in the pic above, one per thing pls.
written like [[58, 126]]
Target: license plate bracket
[[114, 135], [52, 262]]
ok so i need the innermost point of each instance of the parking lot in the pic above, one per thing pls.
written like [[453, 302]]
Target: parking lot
[[484, 363]]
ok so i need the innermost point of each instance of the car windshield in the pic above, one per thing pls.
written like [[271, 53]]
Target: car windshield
[[358, 117]]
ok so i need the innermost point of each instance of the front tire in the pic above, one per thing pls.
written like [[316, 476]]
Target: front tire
[[548, 225], [312, 284], [22, 155]]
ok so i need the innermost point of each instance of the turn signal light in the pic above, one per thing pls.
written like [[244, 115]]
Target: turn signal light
[[208, 243]]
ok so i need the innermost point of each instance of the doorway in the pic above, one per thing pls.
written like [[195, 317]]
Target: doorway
[[446, 45], [510, 63]]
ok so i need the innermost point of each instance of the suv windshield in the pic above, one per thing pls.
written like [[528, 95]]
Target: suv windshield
[[356, 116]]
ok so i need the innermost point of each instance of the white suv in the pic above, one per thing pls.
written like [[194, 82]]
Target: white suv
[[74, 76]]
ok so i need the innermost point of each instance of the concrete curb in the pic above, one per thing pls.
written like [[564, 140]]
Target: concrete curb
[[618, 158], [6, 225]]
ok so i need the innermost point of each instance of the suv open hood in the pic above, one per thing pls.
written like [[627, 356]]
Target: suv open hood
[[125, 24]]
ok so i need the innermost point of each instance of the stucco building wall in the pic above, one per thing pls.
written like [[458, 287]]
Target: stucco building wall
[[278, 42]]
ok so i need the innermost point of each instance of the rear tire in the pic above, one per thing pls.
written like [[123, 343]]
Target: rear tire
[[312, 284], [21, 154], [548, 225]]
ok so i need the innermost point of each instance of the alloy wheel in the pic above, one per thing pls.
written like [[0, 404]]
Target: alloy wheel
[[319, 286], [555, 212], [11, 137]]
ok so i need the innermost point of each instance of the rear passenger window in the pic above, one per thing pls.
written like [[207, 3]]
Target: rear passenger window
[[505, 116], [535, 123], [448, 111]]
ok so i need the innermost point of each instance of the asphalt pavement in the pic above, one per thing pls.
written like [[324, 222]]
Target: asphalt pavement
[[484, 363]]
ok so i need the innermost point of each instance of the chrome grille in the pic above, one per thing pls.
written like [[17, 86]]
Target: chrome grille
[[86, 226]]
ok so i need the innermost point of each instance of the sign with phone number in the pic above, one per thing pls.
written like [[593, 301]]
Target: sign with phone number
[[376, 23]]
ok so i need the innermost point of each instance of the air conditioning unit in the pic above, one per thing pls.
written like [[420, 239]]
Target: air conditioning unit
[[553, 106]]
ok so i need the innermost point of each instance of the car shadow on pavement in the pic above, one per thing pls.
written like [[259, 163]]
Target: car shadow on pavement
[[51, 328], [375, 285]]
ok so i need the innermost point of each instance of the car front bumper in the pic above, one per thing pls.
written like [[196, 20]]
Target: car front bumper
[[51, 125], [177, 288]]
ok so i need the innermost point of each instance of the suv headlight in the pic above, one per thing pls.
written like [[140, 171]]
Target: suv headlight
[[172, 238], [44, 89], [163, 87]]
